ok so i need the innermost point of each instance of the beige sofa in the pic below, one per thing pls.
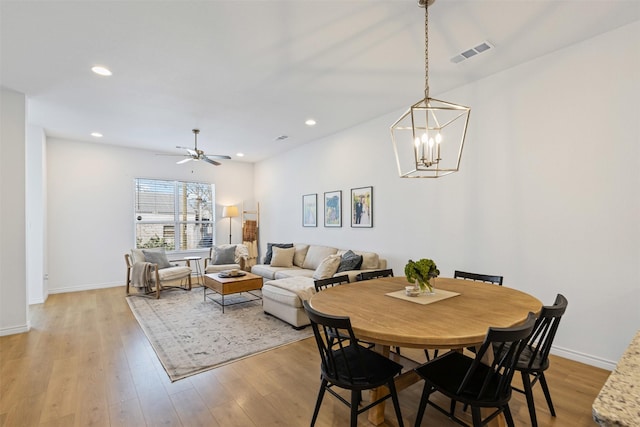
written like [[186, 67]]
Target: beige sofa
[[285, 286]]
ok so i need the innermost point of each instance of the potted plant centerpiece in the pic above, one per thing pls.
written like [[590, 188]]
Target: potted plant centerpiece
[[421, 272]]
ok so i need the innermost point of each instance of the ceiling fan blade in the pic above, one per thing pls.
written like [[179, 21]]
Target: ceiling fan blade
[[195, 154], [208, 160], [218, 156]]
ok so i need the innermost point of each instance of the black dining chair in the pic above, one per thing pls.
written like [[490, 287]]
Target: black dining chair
[[483, 381], [321, 284], [534, 359], [478, 277], [346, 364], [457, 274], [368, 275]]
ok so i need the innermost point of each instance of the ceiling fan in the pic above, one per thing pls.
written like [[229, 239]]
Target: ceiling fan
[[196, 154]]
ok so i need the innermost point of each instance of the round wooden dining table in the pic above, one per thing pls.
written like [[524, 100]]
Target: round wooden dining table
[[455, 322]]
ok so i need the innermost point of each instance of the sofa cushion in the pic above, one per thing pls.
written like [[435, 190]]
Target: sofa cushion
[[370, 261], [173, 273], [293, 272], [302, 287], [283, 296], [316, 254], [267, 271], [269, 254], [156, 256], [301, 253], [282, 257], [349, 261], [224, 255], [327, 267]]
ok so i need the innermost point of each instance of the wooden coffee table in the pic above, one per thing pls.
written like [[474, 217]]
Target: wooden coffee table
[[232, 285]]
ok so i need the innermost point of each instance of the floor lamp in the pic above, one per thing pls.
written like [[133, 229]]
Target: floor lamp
[[229, 212]]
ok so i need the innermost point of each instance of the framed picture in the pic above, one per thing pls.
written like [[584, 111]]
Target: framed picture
[[362, 207], [310, 210], [333, 209]]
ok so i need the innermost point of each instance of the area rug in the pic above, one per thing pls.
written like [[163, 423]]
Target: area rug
[[190, 335]]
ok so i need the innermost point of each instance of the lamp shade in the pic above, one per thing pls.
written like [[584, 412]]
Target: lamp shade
[[229, 211]]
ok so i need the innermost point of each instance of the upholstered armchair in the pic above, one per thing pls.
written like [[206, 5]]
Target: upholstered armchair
[[227, 257], [150, 271]]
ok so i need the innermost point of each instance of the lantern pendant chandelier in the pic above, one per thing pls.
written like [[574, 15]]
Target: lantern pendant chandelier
[[429, 137]]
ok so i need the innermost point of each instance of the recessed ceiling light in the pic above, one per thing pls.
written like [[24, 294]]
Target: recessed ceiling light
[[96, 134], [240, 154], [310, 122], [101, 70]]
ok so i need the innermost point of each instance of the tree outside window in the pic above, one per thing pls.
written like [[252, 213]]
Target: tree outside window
[[164, 207]]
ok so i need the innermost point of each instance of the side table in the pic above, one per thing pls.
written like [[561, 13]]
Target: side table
[[197, 270]]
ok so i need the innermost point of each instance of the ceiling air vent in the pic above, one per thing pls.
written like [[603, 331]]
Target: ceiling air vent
[[281, 138], [470, 53]]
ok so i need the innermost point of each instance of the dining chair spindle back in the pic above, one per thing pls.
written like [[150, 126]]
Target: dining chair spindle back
[[478, 277], [346, 364], [321, 284], [483, 381], [368, 275], [534, 359]]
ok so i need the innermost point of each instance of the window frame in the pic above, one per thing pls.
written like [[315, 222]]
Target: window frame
[[184, 239]]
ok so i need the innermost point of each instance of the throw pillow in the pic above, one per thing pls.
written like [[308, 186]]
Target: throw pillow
[[301, 252], [327, 267], [225, 255], [349, 261], [269, 254], [282, 257], [156, 256]]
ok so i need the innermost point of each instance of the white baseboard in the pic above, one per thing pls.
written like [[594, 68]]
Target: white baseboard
[[15, 330], [90, 287], [584, 358]]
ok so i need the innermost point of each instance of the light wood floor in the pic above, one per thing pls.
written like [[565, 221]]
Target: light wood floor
[[86, 362]]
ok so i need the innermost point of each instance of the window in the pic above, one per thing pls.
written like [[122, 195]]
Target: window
[[174, 215]]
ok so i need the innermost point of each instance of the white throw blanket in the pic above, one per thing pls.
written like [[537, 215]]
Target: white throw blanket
[[301, 286], [140, 274]]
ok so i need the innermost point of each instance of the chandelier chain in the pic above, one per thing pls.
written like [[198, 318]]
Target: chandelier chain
[[426, 51]]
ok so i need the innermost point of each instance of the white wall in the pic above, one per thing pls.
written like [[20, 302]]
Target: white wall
[[90, 207], [13, 290], [36, 214], [548, 192]]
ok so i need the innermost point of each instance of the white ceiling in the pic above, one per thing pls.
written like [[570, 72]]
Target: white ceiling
[[246, 72]]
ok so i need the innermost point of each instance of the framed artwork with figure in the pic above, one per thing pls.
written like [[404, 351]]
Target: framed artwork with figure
[[333, 209], [362, 207], [310, 210]]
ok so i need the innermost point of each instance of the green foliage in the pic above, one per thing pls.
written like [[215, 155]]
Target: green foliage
[[154, 242], [421, 271]]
